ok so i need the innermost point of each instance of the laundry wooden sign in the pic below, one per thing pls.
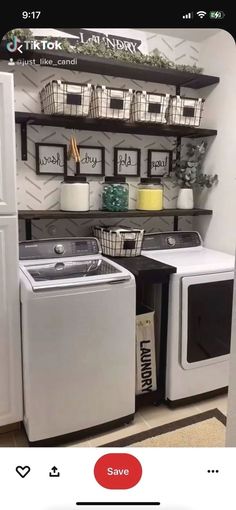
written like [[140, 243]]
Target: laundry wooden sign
[[159, 163], [110, 40]]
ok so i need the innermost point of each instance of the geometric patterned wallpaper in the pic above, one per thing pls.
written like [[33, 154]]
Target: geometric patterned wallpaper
[[42, 192]]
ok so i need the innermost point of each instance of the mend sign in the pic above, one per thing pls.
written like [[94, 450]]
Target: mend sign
[[118, 471]]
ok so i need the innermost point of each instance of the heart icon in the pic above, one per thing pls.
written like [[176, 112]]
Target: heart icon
[[23, 471]]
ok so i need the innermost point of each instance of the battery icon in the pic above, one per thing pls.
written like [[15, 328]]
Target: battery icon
[[216, 14]]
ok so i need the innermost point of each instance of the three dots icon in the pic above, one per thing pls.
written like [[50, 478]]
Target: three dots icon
[[213, 470]]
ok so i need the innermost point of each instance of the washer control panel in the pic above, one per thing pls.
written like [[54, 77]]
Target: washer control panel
[[53, 248]]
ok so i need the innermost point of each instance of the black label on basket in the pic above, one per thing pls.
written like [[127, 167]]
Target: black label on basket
[[188, 111], [154, 107], [116, 103], [129, 245], [74, 99]]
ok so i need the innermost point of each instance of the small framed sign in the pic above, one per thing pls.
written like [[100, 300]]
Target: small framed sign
[[51, 158], [159, 163], [127, 162], [92, 160]]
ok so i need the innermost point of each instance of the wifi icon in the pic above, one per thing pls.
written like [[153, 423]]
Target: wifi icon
[[201, 14]]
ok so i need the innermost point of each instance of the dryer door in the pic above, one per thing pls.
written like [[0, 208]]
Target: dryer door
[[206, 319]]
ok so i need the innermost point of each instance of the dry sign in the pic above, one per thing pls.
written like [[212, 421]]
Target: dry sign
[[92, 160]]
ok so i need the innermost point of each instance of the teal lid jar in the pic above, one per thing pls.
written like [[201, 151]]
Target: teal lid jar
[[115, 194]]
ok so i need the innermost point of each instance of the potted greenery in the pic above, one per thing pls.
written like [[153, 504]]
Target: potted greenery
[[188, 175]]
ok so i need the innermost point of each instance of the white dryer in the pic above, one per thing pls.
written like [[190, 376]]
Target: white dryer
[[78, 339], [199, 317]]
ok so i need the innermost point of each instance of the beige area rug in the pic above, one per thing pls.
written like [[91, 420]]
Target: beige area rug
[[202, 430]]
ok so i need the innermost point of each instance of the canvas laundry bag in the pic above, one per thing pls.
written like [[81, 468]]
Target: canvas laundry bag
[[146, 379]]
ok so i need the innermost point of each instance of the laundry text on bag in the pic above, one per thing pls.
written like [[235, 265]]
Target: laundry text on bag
[[146, 366]]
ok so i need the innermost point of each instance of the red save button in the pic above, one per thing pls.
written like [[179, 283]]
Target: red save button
[[118, 471]]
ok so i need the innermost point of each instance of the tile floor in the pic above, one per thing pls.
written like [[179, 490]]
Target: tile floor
[[147, 417]]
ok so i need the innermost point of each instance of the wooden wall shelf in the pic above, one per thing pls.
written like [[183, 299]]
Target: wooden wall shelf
[[42, 214], [112, 125], [29, 215], [116, 68]]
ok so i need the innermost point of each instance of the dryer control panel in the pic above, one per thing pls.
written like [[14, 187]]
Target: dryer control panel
[[171, 240], [53, 248]]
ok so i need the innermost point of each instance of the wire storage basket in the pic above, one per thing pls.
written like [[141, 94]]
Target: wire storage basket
[[149, 107], [185, 111], [111, 103], [65, 98], [119, 242]]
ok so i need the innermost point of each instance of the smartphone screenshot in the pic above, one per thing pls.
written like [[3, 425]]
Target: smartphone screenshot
[[117, 260]]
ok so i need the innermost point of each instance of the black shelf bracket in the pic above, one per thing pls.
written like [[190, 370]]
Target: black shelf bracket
[[24, 152], [177, 90], [176, 223], [28, 230]]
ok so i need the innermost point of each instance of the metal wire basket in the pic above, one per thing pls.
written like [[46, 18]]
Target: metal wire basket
[[185, 111], [119, 242], [149, 107], [111, 103], [65, 98]]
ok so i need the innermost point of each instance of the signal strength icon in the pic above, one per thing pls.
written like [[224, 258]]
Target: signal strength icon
[[201, 14], [189, 15]]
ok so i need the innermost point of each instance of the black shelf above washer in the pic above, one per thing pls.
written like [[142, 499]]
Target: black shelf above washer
[[29, 215], [57, 214]]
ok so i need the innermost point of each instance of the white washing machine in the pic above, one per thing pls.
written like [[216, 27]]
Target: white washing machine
[[199, 317], [78, 338]]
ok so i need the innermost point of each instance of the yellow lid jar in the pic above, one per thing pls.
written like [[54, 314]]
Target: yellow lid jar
[[150, 195]]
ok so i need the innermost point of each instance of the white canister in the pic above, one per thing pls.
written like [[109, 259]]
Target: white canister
[[74, 194], [185, 199]]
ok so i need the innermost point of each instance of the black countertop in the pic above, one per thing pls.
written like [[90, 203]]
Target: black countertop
[[146, 269]]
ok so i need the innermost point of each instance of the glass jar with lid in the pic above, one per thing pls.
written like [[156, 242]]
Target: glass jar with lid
[[115, 194], [150, 194], [74, 193]]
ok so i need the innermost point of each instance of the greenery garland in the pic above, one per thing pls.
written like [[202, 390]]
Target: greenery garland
[[22, 34], [156, 59]]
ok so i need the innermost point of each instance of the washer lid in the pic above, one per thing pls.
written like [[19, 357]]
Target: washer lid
[[54, 274], [64, 270]]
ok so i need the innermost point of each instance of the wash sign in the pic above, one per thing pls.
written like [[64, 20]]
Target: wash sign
[[146, 380]]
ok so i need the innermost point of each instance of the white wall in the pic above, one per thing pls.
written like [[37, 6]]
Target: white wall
[[231, 414], [178, 50], [218, 57]]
